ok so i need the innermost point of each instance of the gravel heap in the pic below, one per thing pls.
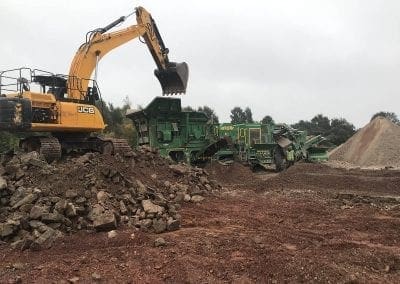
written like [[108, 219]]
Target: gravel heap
[[41, 202], [376, 144]]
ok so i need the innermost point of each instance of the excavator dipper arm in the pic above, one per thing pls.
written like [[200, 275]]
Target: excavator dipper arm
[[172, 76]]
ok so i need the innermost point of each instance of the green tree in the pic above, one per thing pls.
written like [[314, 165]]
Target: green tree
[[336, 130], [267, 120], [320, 124], [389, 115], [238, 115], [249, 115], [304, 125], [340, 130], [188, 108], [117, 124], [210, 113]]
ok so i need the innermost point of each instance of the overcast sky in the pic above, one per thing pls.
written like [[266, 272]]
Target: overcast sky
[[288, 59]]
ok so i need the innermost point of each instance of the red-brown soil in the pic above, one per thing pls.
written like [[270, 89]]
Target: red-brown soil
[[308, 224]]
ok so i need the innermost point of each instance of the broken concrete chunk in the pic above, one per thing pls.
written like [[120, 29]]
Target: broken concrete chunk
[[197, 198], [46, 239], [105, 221], [61, 206], [204, 180], [173, 225], [70, 211], [159, 225], [179, 169], [71, 193], [112, 234], [187, 198], [37, 212], [102, 196], [3, 183], [28, 199], [6, 230], [19, 174], [25, 157], [141, 187], [122, 208], [159, 242], [52, 218], [150, 207]]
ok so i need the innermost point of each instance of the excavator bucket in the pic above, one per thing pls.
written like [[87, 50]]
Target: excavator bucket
[[174, 78]]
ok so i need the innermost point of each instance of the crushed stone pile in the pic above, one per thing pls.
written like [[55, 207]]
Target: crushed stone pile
[[41, 202], [376, 144]]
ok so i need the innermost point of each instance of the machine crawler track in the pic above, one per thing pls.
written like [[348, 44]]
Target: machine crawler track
[[48, 147], [51, 148], [119, 146]]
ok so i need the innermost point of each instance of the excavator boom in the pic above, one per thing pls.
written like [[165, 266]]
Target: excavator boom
[[64, 107], [173, 76]]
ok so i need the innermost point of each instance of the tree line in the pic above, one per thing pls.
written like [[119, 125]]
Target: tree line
[[336, 130]]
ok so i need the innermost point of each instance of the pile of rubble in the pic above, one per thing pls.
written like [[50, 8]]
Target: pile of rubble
[[41, 202]]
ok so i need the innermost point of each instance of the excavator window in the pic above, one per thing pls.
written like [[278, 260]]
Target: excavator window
[[92, 95], [58, 92]]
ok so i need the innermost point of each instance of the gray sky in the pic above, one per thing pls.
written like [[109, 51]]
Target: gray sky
[[289, 59]]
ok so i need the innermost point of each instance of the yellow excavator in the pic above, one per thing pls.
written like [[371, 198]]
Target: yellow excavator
[[64, 106]]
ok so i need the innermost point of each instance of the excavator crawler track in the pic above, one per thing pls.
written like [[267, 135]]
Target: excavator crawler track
[[48, 147], [121, 147]]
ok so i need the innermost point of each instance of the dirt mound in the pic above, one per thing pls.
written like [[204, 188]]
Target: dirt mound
[[41, 202], [320, 177], [376, 144], [234, 173]]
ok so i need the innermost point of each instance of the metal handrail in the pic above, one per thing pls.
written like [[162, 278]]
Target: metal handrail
[[12, 77]]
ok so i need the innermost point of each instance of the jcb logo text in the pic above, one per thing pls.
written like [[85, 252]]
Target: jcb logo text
[[86, 109]]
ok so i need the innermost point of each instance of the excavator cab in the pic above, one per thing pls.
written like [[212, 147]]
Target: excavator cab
[[173, 79]]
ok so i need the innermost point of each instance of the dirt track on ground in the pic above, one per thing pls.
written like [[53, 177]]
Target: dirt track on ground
[[310, 223]]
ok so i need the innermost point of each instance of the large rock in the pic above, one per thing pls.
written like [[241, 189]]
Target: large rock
[[26, 157], [160, 242], [34, 224], [6, 230], [85, 158], [105, 221], [37, 212], [3, 183], [197, 198], [60, 206], [151, 208], [28, 199], [122, 208], [173, 225], [71, 193], [19, 174], [159, 225], [46, 239], [70, 211], [102, 196], [204, 180], [179, 169], [141, 187], [52, 218]]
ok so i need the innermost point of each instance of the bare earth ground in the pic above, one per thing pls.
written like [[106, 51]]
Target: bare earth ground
[[310, 224]]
